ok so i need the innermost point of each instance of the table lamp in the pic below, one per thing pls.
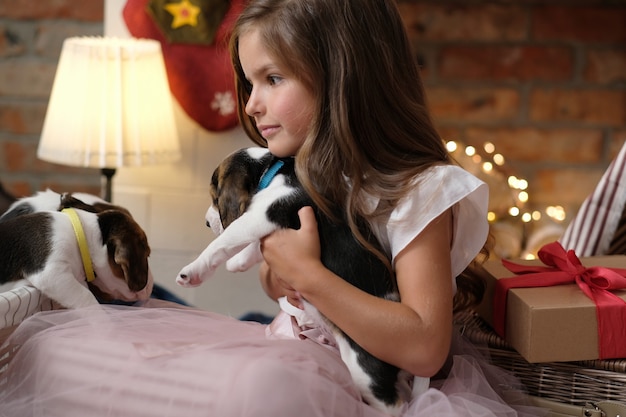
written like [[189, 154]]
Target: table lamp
[[110, 107]]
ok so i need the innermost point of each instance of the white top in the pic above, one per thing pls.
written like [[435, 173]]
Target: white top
[[438, 189]]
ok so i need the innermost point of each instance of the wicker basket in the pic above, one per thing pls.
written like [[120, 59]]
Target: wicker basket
[[575, 383], [15, 306]]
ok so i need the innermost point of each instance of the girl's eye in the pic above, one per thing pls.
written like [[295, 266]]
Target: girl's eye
[[273, 79]]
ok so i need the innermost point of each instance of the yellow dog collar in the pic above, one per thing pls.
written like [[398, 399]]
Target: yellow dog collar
[[82, 243]]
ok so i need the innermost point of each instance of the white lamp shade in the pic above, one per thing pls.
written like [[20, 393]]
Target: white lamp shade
[[110, 106]]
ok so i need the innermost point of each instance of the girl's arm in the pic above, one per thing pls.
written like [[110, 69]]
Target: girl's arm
[[413, 334]]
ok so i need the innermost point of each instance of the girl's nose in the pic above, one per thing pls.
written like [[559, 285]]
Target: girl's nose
[[253, 106]]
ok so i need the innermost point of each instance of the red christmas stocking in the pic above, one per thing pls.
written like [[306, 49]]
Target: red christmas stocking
[[194, 37]]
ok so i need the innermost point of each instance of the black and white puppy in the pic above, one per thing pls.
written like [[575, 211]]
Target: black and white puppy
[[38, 243], [242, 214]]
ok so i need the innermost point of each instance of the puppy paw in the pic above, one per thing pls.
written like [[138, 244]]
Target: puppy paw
[[189, 277], [188, 281]]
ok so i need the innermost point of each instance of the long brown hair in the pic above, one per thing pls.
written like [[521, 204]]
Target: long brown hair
[[372, 124]]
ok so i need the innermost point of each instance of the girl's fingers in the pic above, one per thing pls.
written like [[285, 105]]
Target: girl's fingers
[[307, 218]]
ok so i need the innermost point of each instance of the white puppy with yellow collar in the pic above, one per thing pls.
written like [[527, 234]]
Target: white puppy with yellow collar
[[94, 248]]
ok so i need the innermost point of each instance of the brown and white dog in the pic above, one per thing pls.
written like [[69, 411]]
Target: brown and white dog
[[243, 212], [38, 243]]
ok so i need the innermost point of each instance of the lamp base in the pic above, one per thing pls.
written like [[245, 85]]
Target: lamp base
[[106, 183]]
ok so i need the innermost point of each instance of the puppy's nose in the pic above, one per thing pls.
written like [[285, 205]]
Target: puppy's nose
[[207, 224]]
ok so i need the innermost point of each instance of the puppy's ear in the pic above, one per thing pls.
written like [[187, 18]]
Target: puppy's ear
[[127, 246], [100, 207], [235, 182], [69, 201], [230, 193]]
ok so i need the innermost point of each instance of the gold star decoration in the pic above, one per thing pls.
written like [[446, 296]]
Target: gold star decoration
[[185, 13]]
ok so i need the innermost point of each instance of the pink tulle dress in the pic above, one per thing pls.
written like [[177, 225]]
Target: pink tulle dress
[[161, 359]]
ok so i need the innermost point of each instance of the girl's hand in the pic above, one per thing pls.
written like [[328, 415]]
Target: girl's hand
[[291, 255], [275, 287]]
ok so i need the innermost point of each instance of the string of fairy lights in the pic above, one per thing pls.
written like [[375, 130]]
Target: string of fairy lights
[[509, 194]]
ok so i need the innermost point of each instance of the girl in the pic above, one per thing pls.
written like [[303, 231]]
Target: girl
[[332, 83]]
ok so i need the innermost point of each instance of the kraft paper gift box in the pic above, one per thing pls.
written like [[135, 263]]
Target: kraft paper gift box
[[559, 323]]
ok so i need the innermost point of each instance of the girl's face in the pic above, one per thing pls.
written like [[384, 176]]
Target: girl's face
[[283, 108]]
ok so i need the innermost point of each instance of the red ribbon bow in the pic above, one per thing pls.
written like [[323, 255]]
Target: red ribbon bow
[[564, 267]]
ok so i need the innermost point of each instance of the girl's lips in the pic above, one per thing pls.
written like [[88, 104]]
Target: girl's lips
[[267, 131]]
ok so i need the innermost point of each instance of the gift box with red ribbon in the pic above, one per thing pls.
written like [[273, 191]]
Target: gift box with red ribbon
[[559, 308]]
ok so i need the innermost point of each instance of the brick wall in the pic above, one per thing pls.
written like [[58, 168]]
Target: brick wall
[[544, 81], [31, 37]]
